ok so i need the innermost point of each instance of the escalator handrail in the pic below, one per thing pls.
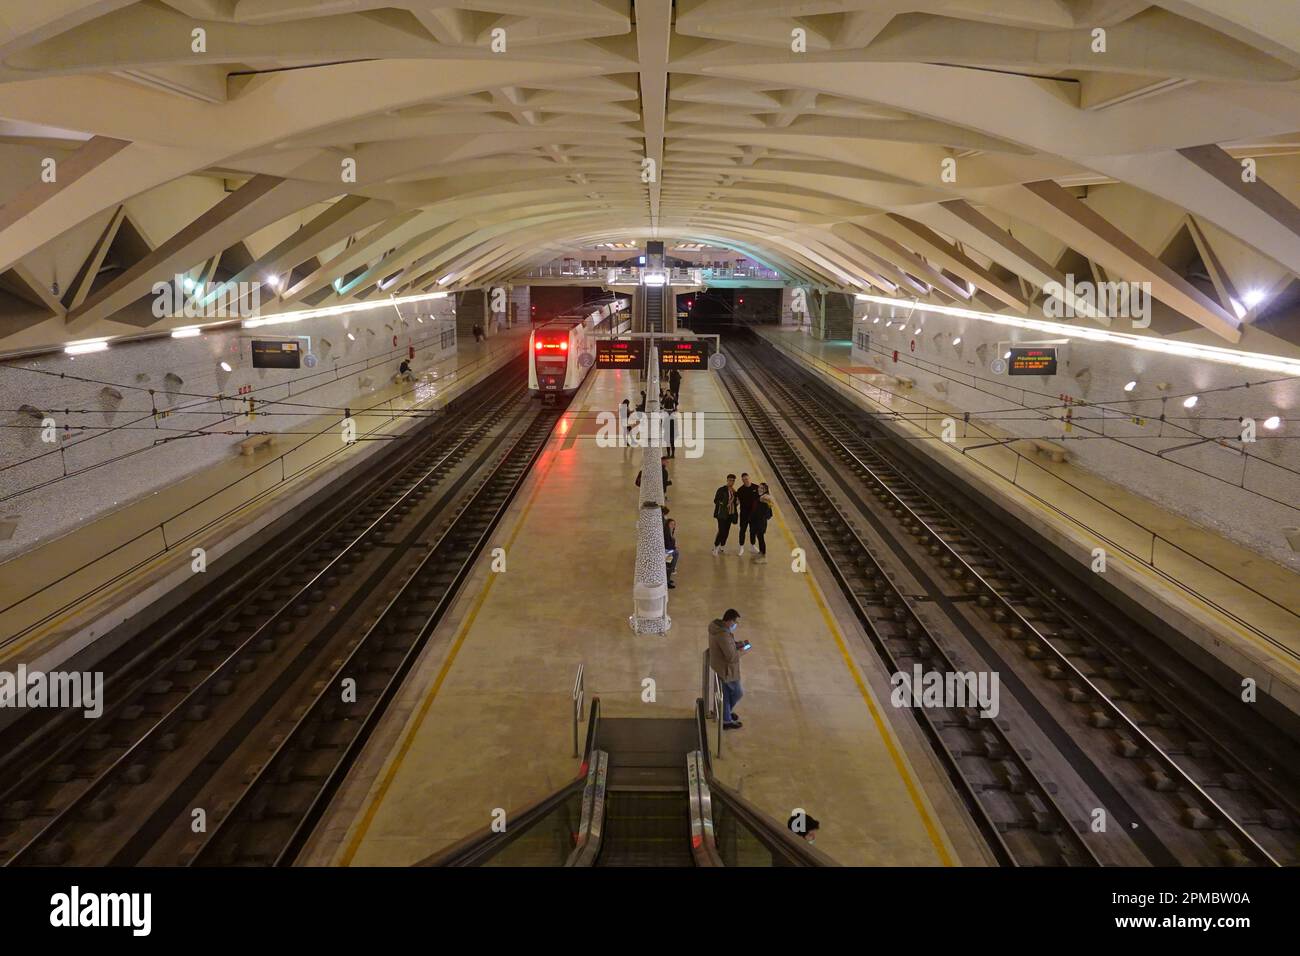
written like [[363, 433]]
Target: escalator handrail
[[793, 850], [704, 847], [591, 828], [482, 845]]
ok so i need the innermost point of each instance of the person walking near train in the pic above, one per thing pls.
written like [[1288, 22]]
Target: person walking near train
[[724, 658], [747, 498], [724, 512]]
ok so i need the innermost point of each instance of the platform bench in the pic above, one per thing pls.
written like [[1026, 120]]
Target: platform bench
[[252, 443], [1057, 453]]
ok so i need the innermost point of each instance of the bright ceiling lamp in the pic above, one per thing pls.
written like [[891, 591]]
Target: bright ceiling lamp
[[1205, 353], [1130, 386], [447, 278], [186, 333], [1190, 401], [1253, 297], [86, 347], [1272, 422], [282, 317]]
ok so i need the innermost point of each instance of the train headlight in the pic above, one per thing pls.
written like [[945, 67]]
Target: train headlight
[[564, 346]]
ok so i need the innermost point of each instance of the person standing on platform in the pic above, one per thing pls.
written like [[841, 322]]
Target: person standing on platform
[[747, 497], [724, 658], [669, 405], [724, 512], [758, 520], [640, 406], [663, 465], [675, 381], [670, 548]]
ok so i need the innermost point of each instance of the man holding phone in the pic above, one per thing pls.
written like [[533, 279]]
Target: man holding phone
[[724, 657]]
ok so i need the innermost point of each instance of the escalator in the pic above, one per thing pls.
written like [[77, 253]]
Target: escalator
[[645, 797], [654, 308]]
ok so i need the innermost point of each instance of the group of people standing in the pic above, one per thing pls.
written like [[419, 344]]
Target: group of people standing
[[750, 506]]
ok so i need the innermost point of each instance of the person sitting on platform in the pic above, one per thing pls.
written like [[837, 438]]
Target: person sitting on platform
[[670, 548], [404, 373]]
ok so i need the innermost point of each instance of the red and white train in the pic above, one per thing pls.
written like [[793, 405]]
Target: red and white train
[[556, 348]]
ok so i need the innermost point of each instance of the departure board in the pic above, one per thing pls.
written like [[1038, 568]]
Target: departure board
[[620, 353], [279, 354], [1032, 361], [683, 353]]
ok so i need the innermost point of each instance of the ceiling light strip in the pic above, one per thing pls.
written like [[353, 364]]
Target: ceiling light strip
[[1208, 353], [298, 316]]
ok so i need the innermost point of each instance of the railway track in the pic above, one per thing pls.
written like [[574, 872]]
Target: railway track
[[204, 688], [1014, 810], [1223, 794]]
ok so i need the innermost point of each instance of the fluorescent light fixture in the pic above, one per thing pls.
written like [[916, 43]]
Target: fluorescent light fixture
[[1190, 401], [282, 317], [187, 333], [447, 278], [84, 348], [1272, 422], [351, 337], [957, 340], [225, 367], [1145, 343], [1253, 297], [1130, 386], [1007, 354], [876, 320], [917, 330]]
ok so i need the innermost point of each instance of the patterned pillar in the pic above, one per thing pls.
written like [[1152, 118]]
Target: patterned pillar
[[650, 583]]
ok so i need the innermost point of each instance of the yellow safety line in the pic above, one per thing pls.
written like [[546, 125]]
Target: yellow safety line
[[1157, 583], [408, 739], [895, 755]]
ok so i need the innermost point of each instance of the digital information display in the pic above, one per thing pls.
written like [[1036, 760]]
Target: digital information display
[[277, 354], [620, 353], [1032, 361], [683, 353]]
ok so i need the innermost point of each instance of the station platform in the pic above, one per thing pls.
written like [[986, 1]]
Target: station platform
[[59, 597], [485, 720], [1252, 631]]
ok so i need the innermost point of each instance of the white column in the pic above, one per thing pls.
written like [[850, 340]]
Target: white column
[[650, 581]]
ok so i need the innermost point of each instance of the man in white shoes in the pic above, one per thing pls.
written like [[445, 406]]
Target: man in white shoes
[[746, 498]]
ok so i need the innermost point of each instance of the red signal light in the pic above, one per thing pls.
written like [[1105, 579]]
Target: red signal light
[[742, 300], [539, 346], [564, 346]]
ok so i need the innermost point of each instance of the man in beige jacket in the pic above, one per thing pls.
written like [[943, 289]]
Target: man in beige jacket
[[724, 658]]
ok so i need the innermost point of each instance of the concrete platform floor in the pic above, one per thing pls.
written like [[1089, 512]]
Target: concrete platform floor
[[485, 720], [1268, 650], [46, 600]]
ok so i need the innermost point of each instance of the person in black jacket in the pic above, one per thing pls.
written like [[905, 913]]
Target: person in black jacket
[[758, 519], [747, 498], [724, 512], [670, 548], [675, 381]]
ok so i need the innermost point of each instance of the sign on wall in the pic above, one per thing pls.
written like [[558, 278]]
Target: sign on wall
[[280, 354], [683, 353], [1040, 360], [620, 353]]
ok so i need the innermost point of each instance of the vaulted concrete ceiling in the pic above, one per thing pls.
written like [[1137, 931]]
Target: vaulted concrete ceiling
[[909, 146]]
